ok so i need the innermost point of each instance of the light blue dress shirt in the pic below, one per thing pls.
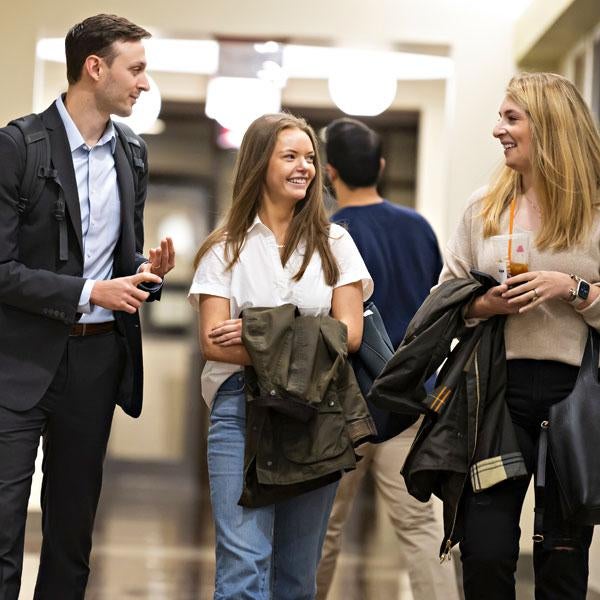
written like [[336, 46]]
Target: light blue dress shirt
[[100, 207]]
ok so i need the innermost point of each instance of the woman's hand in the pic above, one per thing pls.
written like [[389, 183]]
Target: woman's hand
[[227, 333], [491, 303], [531, 289], [215, 328]]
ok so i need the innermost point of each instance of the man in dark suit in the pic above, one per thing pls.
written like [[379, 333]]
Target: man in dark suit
[[70, 345]]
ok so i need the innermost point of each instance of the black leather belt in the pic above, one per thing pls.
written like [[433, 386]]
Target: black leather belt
[[83, 329]]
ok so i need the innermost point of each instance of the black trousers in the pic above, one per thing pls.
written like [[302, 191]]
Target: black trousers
[[490, 547], [74, 417]]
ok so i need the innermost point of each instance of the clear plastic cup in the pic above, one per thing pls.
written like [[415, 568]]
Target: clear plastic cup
[[512, 254]]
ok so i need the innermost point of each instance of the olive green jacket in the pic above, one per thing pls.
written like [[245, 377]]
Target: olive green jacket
[[304, 411]]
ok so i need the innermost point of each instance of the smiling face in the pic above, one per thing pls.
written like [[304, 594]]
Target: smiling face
[[291, 167], [514, 133], [122, 82]]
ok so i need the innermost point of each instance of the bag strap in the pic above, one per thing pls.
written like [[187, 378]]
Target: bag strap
[[589, 362], [37, 160], [38, 170], [540, 484], [133, 152], [511, 225]]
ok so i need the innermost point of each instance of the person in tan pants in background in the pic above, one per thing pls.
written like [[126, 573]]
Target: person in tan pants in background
[[402, 255]]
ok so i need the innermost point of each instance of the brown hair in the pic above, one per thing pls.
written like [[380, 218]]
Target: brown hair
[[96, 35], [309, 224], [565, 156]]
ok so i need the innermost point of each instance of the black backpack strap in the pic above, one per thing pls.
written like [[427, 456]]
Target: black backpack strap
[[133, 150], [37, 161], [38, 169]]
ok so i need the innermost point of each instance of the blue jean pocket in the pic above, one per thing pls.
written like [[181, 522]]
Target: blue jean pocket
[[230, 399], [232, 386]]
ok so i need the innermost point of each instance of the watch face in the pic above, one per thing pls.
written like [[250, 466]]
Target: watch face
[[583, 290]]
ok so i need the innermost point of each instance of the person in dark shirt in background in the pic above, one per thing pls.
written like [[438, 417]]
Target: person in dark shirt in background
[[401, 252]]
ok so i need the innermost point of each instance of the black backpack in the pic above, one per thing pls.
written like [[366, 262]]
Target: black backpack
[[38, 169]]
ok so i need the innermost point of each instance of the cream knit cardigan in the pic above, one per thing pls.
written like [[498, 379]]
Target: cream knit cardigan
[[555, 330]]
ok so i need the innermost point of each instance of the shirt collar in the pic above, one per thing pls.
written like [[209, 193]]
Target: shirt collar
[[74, 136], [256, 223], [260, 226]]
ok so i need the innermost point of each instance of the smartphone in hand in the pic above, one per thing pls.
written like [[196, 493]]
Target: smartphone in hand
[[485, 279]]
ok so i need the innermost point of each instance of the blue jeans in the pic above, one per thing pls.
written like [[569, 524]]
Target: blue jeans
[[262, 553]]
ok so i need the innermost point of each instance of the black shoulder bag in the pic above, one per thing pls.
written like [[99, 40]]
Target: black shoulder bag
[[573, 431], [368, 361]]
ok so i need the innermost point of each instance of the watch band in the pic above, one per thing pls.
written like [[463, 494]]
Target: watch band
[[580, 292], [573, 291]]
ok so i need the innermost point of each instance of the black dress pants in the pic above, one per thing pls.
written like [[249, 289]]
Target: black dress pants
[[74, 417], [490, 547]]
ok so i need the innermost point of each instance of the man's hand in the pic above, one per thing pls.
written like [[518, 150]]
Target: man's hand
[[122, 293], [161, 259]]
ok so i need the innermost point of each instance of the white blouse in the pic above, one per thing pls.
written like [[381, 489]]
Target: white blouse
[[259, 279]]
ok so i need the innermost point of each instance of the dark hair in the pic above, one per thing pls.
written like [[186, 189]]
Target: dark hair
[[354, 150], [96, 35]]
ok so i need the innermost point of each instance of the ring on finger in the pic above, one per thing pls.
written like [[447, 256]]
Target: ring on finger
[[535, 295]]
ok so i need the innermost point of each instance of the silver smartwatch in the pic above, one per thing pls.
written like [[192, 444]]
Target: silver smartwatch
[[580, 292]]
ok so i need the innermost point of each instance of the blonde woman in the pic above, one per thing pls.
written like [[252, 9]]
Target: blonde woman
[[276, 247], [549, 184]]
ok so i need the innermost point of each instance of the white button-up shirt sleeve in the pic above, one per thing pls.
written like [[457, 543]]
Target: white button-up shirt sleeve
[[212, 276]]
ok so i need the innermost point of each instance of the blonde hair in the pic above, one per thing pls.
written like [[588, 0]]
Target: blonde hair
[[565, 160], [310, 222]]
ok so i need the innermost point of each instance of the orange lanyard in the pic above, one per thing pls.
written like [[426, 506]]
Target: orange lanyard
[[511, 223]]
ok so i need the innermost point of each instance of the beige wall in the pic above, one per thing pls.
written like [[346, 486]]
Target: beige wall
[[537, 19], [158, 434], [550, 29], [17, 59]]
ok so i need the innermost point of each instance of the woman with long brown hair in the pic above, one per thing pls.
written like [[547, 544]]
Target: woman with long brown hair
[[548, 190], [275, 246]]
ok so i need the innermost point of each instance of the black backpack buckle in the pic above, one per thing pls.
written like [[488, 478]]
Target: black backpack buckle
[[22, 206], [47, 172]]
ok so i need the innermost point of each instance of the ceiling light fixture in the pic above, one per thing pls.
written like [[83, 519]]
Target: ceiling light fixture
[[163, 54], [362, 83], [234, 102]]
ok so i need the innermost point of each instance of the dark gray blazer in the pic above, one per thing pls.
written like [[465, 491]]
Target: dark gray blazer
[[39, 294]]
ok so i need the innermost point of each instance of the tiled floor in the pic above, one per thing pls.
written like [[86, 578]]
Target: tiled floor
[[154, 541]]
